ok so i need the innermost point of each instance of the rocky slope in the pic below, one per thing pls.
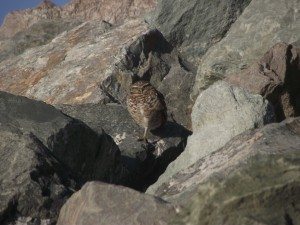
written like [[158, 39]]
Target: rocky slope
[[109, 11], [229, 152]]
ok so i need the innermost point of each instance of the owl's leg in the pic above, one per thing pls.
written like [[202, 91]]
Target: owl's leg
[[145, 134], [144, 138]]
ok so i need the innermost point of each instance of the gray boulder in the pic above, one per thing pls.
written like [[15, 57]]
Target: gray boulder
[[89, 154], [101, 204], [195, 25], [220, 113], [254, 179], [253, 34], [33, 183]]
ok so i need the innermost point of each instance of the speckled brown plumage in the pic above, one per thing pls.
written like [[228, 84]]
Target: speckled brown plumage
[[146, 106]]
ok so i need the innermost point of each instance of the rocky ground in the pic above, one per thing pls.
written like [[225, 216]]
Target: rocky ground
[[229, 153]]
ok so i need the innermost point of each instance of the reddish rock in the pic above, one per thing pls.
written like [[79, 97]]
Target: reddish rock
[[70, 68], [20, 20], [110, 11], [275, 76]]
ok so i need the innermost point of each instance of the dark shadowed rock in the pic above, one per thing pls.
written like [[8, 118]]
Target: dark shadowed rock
[[276, 76], [194, 26], [145, 162], [253, 179], [33, 183], [89, 154], [101, 204]]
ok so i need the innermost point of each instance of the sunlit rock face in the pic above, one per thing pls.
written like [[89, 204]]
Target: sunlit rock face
[[71, 67]]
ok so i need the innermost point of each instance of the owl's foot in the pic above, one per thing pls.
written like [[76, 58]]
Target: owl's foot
[[143, 139]]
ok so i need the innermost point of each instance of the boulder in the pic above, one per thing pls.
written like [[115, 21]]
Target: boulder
[[276, 76], [252, 34], [97, 203], [69, 69], [220, 113], [254, 179], [144, 162], [88, 154], [195, 25], [33, 183]]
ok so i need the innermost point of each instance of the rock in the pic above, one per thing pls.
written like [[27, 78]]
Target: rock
[[236, 184], [176, 87], [276, 76], [38, 34], [33, 182], [20, 20], [144, 162], [152, 58], [97, 203], [220, 113], [253, 34], [89, 155], [69, 69], [110, 11], [194, 26]]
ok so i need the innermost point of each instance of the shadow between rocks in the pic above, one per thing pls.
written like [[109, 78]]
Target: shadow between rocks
[[158, 154], [144, 162]]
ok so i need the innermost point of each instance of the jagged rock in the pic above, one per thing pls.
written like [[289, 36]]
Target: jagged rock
[[152, 58], [110, 11], [253, 179], [145, 162], [70, 68], [275, 76], [33, 182], [253, 34], [145, 58], [88, 154], [195, 25], [102, 205], [220, 113]]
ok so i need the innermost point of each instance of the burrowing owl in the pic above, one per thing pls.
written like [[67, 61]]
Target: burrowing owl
[[147, 106]]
